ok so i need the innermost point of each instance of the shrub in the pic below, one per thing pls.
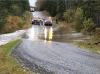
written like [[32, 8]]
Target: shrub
[[68, 15], [88, 25], [96, 37], [12, 23], [78, 19], [27, 17]]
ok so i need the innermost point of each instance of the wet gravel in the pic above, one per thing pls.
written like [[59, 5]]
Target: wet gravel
[[28, 64], [57, 58]]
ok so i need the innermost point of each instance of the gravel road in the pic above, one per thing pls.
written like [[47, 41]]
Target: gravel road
[[49, 57]]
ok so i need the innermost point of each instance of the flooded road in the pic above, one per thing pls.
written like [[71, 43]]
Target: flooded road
[[36, 33], [39, 14], [48, 33]]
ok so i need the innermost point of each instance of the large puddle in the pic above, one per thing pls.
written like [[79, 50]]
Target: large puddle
[[40, 33], [48, 33]]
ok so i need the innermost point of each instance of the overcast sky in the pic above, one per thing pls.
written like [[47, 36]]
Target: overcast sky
[[32, 2]]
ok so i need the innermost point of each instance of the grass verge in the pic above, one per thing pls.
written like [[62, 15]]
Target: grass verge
[[90, 46], [7, 64]]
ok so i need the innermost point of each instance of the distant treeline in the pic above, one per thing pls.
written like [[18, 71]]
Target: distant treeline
[[13, 13], [91, 8]]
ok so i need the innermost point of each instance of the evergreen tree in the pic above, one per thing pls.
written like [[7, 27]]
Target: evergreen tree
[[13, 8]]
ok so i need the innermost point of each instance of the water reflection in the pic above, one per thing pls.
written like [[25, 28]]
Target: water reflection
[[33, 33], [45, 33], [38, 33], [48, 33]]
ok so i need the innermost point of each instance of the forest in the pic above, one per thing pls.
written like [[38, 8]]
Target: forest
[[14, 15], [88, 8], [81, 15]]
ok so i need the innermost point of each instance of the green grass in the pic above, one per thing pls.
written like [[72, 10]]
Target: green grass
[[7, 64], [8, 47]]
